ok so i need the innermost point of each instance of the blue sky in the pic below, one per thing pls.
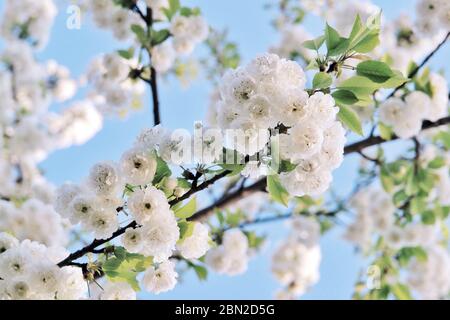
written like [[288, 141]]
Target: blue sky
[[249, 25]]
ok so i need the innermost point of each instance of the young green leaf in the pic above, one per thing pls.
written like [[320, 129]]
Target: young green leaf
[[322, 80], [345, 97], [401, 291], [350, 119], [385, 132], [160, 36], [162, 171], [200, 271], [314, 44], [188, 210], [186, 229], [376, 71], [140, 33], [332, 37], [276, 190], [126, 54]]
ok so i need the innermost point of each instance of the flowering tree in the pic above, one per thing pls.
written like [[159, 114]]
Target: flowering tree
[[277, 128]]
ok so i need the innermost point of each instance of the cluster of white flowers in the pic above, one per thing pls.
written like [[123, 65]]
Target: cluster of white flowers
[[28, 270], [433, 16], [231, 257], [430, 279], [23, 19], [270, 92], [296, 261], [441, 190], [33, 220], [108, 15], [186, 33], [196, 245], [160, 279], [29, 129], [76, 124], [402, 41], [406, 115], [117, 291], [99, 201], [114, 92], [375, 214]]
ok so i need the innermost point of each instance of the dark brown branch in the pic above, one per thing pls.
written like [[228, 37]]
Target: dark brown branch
[[155, 98]]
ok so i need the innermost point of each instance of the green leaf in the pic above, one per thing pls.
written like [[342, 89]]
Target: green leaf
[[360, 86], [332, 38], [233, 219], [405, 254], [368, 43], [188, 210], [162, 171], [357, 28], [186, 229], [336, 44], [234, 168], [314, 44], [183, 183], [276, 190], [341, 48], [345, 97], [126, 54], [437, 163], [376, 71], [428, 217], [254, 241], [385, 132], [444, 138], [417, 205], [386, 179], [396, 80], [287, 166], [140, 33], [160, 36], [112, 264], [364, 38], [220, 216], [350, 119], [125, 267], [401, 291], [201, 271], [322, 80], [174, 6], [120, 253], [187, 12]]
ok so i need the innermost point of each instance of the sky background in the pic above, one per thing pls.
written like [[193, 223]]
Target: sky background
[[249, 25]]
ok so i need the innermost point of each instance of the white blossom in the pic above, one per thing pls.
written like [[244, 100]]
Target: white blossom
[[160, 279]]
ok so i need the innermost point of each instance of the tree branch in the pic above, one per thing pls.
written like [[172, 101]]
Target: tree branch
[[155, 98], [260, 185], [98, 242]]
